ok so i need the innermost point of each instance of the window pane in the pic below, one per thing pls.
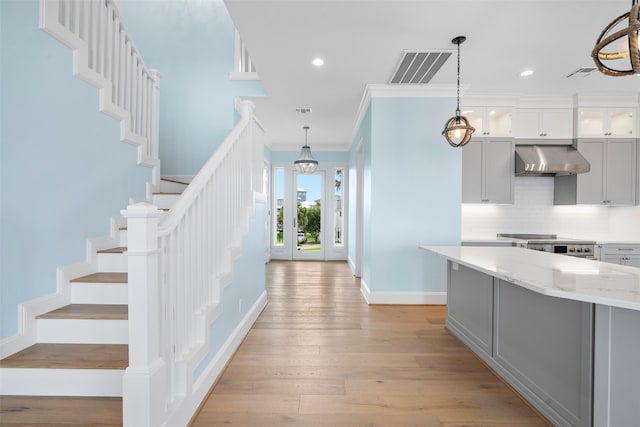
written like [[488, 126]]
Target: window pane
[[278, 206]]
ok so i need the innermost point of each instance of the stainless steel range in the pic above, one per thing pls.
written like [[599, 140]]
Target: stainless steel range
[[551, 243]]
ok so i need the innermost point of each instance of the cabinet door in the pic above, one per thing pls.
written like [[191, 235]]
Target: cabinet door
[[472, 172], [614, 259], [557, 123], [591, 123], [499, 171], [590, 188], [621, 123], [620, 176], [527, 124], [633, 262]]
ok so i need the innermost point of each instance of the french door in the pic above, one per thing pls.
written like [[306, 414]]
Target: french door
[[308, 219], [308, 222]]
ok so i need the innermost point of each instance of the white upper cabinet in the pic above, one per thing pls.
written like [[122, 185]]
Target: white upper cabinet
[[541, 123], [610, 123], [489, 121]]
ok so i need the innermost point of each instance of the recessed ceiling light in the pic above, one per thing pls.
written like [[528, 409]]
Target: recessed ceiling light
[[318, 62], [526, 73]]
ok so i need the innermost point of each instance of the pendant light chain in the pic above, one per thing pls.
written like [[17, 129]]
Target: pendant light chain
[[458, 103]]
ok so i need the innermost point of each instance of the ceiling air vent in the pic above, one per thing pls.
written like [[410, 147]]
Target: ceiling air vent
[[418, 66], [581, 72], [303, 110]]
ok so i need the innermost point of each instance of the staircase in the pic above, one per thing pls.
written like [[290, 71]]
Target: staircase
[[81, 351]]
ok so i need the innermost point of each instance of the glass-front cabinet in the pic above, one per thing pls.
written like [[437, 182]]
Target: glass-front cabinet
[[489, 121], [612, 123]]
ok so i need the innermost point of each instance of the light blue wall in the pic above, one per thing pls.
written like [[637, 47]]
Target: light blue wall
[[248, 284], [191, 43], [64, 170], [412, 194]]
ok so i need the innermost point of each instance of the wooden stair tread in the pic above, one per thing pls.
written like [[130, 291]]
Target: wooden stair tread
[[70, 356], [89, 311], [166, 194], [49, 411], [118, 250], [103, 278]]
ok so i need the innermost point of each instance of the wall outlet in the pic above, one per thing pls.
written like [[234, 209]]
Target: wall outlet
[[240, 306]]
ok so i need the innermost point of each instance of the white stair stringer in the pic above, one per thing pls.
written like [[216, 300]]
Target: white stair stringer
[[61, 382]]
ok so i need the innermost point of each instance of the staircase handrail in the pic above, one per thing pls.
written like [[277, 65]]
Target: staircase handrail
[[195, 187]]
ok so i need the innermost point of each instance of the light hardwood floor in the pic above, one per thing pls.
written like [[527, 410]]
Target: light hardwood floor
[[320, 356]]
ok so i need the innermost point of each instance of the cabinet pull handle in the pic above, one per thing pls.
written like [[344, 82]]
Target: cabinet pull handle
[[625, 249]]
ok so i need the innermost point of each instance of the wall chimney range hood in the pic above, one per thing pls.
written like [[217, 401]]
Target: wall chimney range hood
[[549, 160]]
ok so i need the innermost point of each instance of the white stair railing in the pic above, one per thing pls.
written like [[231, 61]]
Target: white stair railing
[[183, 264], [105, 56]]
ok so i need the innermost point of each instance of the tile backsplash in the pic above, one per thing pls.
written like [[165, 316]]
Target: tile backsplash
[[534, 212]]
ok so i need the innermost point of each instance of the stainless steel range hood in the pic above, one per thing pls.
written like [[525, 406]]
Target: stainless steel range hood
[[549, 160]]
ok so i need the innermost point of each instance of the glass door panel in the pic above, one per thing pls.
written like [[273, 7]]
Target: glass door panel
[[308, 221]]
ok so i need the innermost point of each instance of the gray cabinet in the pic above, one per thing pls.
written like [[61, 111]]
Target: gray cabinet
[[616, 400], [621, 254], [470, 306], [543, 347], [488, 171], [611, 180], [540, 345]]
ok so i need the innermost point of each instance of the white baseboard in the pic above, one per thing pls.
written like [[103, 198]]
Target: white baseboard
[[187, 408], [402, 298]]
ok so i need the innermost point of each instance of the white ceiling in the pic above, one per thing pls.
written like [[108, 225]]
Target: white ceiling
[[361, 42]]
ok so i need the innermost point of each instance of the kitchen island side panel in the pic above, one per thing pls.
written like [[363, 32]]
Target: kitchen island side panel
[[543, 345], [470, 306], [616, 400]]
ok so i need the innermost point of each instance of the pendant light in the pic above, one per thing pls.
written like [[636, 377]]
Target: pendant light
[[617, 51], [306, 163], [457, 131]]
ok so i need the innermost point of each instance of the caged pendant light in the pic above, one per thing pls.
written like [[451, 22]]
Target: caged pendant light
[[457, 131], [306, 162], [617, 51]]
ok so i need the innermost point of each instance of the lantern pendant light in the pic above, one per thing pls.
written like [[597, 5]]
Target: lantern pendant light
[[306, 163], [457, 131], [617, 51]]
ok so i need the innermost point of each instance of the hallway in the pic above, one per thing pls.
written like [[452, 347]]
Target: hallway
[[318, 355]]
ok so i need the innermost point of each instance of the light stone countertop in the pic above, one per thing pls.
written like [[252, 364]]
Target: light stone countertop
[[550, 274]]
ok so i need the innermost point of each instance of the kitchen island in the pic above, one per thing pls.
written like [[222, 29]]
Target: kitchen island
[[563, 331]]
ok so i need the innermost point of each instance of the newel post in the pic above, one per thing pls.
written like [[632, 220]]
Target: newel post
[[246, 107], [143, 398]]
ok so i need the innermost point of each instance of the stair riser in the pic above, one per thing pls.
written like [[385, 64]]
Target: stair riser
[[112, 263], [165, 201], [61, 382], [82, 331], [99, 293], [171, 187]]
